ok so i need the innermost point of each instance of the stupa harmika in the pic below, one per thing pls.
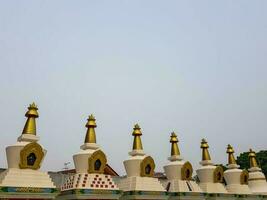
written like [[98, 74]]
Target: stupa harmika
[[90, 180]]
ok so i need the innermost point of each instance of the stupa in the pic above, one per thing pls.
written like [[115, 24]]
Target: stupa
[[23, 179], [140, 183], [178, 171], [236, 179], [210, 176], [89, 182], [257, 181]]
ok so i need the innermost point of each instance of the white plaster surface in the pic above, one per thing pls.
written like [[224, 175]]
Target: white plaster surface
[[14, 177], [232, 178], [205, 175], [175, 182], [257, 182], [137, 183]]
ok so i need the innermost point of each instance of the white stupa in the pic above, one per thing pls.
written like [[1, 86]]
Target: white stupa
[[257, 181], [210, 176], [140, 183], [178, 171], [90, 182], [23, 179], [236, 179]]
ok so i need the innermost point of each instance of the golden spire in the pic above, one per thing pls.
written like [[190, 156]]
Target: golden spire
[[137, 143], [205, 152], [90, 134], [30, 125], [252, 159], [174, 149], [231, 157]]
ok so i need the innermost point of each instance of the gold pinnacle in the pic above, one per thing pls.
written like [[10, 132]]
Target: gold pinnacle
[[205, 152], [30, 125], [90, 134], [174, 146], [137, 143], [231, 157], [252, 158]]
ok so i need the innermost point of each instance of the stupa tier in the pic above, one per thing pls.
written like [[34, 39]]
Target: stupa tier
[[93, 178]]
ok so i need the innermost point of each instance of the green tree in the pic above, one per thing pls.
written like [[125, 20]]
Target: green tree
[[243, 160], [262, 159]]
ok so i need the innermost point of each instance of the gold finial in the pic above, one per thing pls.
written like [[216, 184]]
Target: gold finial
[[252, 158], [137, 143], [90, 134], [205, 152], [30, 125], [231, 157], [174, 148]]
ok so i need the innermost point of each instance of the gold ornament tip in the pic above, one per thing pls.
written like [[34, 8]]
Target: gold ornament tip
[[91, 121], [91, 117], [136, 126], [230, 149], [251, 153], [33, 106], [173, 134], [204, 143], [173, 138], [136, 130], [32, 111]]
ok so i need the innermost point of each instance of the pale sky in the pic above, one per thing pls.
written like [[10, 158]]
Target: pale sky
[[198, 68]]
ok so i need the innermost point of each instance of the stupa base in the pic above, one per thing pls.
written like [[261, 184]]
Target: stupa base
[[25, 178], [89, 194], [213, 188], [145, 195], [186, 196], [89, 186], [25, 193], [182, 186], [136, 183], [238, 189]]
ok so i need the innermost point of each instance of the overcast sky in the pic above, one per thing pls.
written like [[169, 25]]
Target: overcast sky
[[198, 68]]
